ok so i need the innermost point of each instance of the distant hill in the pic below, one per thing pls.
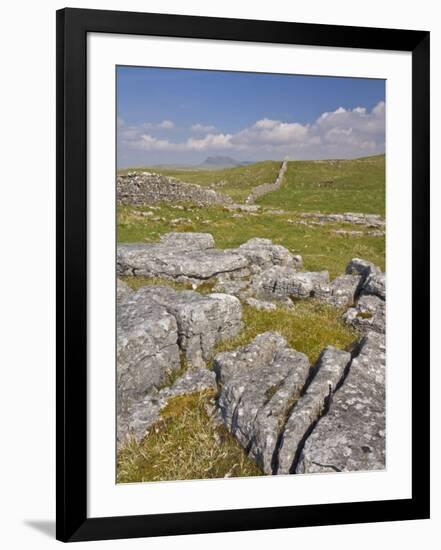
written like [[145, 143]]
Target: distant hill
[[222, 162]]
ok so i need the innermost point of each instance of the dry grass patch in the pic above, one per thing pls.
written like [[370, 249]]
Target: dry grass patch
[[185, 445], [308, 327]]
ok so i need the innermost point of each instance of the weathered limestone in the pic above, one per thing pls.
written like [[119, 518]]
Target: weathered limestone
[[344, 290], [191, 257], [352, 434], [147, 348], [258, 384], [330, 369], [375, 284], [123, 291], [264, 254], [369, 220], [368, 314], [188, 241], [178, 263], [282, 281], [141, 416], [146, 188], [203, 320]]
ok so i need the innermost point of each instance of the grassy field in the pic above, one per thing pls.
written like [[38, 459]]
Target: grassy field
[[235, 182], [319, 246], [332, 186], [185, 444]]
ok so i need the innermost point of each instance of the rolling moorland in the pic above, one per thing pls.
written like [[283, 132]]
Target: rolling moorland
[[186, 444]]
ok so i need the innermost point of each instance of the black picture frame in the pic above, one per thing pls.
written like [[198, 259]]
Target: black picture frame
[[71, 428]]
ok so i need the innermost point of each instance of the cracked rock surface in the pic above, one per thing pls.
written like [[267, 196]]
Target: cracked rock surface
[[192, 257], [258, 384], [202, 320], [330, 369], [352, 434], [144, 414], [147, 348]]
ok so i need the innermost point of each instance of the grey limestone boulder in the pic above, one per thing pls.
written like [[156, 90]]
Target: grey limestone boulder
[[344, 290], [258, 384], [147, 348], [203, 320], [352, 435], [262, 253], [284, 281], [176, 262], [331, 367], [368, 314]]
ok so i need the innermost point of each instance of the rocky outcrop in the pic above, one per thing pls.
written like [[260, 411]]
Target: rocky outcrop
[[258, 384], [330, 369], [369, 311], [368, 220], [191, 257], [266, 188], [368, 314], [147, 348], [145, 188], [155, 326], [142, 415], [351, 436], [203, 320], [292, 418], [284, 281]]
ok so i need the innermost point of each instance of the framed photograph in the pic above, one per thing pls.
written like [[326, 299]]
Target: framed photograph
[[230, 197]]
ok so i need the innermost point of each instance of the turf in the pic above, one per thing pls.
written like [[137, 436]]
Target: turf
[[332, 186], [319, 246], [234, 182]]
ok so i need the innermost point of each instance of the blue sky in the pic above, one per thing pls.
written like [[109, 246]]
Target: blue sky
[[183, 116]]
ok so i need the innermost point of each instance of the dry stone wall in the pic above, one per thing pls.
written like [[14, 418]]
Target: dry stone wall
[[265, 188], [146, 188]]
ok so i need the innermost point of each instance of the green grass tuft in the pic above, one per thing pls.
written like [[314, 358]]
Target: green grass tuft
[[185, 445]]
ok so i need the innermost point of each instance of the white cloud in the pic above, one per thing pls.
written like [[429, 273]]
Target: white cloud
[[339, 133], [164, 125], [210, 141], [202, 129]]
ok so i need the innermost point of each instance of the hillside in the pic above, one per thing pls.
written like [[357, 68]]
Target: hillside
[[236, 182], [332, 186]]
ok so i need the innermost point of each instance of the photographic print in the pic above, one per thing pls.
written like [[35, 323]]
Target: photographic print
[[250, 274]]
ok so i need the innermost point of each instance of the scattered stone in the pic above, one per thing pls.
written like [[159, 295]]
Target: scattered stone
[[250, 208], [141, 416], [188, 241], [260, 304], [258, 384], [369, 220], [330, 370], [352, 434]]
